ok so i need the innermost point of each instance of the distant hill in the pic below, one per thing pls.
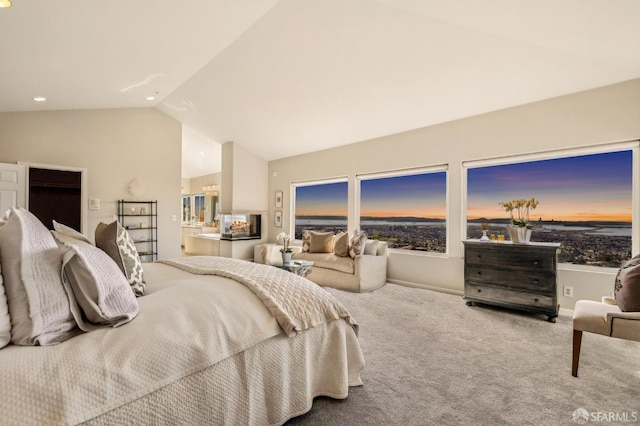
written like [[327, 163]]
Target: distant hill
[[588, 223], [388, 219]]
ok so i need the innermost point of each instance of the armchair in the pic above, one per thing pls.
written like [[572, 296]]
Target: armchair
[[604, 318]]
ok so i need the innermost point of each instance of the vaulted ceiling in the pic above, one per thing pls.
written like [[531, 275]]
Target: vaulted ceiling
[[286, 77]]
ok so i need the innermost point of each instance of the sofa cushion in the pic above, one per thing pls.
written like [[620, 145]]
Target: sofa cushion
[[341, 244], [627, 286], [358, 242], [321, 242], [328, 261]]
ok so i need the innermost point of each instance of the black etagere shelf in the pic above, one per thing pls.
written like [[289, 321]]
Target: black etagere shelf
[[140, 218]]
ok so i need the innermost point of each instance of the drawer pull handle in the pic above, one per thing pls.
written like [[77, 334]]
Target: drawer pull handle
[[535, 300], [535, 281], [479, 290], [535, 262], [479, 273], [478, 257]]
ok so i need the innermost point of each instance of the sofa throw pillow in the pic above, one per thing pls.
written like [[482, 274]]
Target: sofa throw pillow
[[358, 242], [39, 305], [627, 286], [306, 240], [341, 244], [371, 247], [118, 244], [67, 230], [321, 242], [102, 293]]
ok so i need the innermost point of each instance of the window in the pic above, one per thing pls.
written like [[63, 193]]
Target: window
[[199, 208], [408, 210], [320, 206], [186, 208], [585, 203], [194, 208]]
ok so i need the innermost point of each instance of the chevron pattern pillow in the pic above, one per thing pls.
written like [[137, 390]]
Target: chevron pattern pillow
[[114, 240]]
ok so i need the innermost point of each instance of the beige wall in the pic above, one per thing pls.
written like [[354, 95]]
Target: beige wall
[[116, 146], [594, 117], [196, 183], [244, 180]]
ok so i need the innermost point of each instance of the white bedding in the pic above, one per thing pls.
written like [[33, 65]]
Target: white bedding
[[191, 328]]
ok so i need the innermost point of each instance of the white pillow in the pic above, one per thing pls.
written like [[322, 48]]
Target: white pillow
[[371, 247], [67, 230], [102, 292], [31, 263], [5, 319]]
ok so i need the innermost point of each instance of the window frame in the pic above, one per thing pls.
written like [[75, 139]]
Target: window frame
[[633, 146], [315, 182], [408, 172]]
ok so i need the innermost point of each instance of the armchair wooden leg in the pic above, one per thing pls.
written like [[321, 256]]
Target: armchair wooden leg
[[577, 341]]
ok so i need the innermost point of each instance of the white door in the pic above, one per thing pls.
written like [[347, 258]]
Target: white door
[[12, 186]]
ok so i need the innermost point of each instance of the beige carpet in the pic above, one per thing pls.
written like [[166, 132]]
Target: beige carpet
[[432, 360]]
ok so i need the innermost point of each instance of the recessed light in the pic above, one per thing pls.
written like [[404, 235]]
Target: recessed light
[[39, 98], [202, 153], [151, 98], [5, 3]]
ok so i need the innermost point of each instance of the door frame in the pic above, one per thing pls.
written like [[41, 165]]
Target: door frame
[[84, 197]]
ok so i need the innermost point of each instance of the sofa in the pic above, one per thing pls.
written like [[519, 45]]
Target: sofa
[[365, 271]]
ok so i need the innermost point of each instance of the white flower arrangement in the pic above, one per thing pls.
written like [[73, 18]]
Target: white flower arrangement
[[285, 238]]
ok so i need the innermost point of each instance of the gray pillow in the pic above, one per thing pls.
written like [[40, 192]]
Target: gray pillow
[[627, 286], [39, 305], [118, 244], [102, 293]]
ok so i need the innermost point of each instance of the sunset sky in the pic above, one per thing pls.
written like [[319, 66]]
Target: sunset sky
[[422, 195], [322, 200], [589, 187]]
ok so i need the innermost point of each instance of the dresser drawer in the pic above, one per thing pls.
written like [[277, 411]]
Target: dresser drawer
[[513, 258], [506, 297], [538, 281]]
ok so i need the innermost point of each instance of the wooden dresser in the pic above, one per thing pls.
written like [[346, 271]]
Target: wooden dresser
[[519, 276]]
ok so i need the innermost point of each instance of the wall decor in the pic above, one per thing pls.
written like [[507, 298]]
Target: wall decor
[[279, 199], [277, 219]]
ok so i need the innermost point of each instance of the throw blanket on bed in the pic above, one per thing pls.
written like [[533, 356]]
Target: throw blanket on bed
[[295, 302]]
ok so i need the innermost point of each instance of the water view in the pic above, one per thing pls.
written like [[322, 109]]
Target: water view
[[596, 244]]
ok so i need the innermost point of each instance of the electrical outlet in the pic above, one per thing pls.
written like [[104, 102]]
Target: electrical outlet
[[174, 218], [567, 291]]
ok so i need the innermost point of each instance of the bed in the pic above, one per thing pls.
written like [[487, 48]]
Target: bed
[[207, 346]]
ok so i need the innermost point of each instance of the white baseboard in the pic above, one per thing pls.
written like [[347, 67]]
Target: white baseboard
[[427, 287], [562, 311]]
